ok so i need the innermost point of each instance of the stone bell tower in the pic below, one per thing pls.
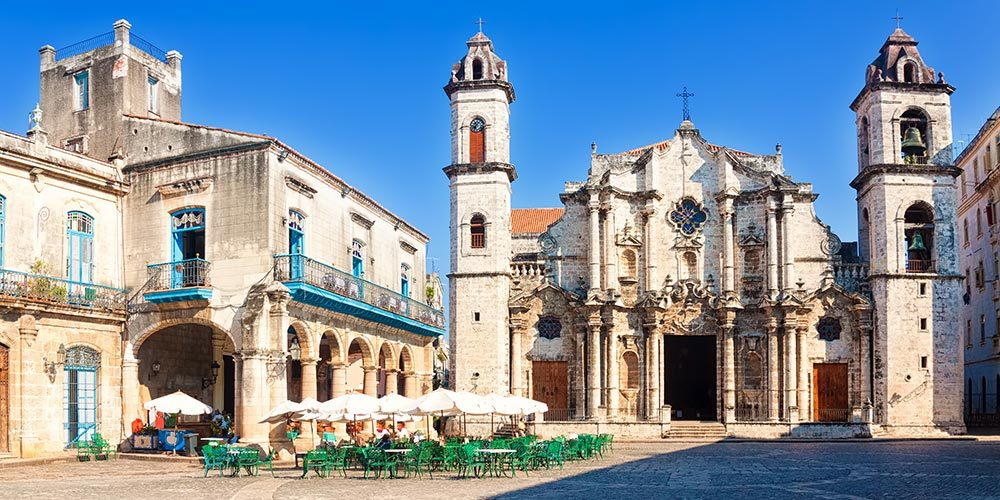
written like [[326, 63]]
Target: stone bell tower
[[906, 219], [480, 176]]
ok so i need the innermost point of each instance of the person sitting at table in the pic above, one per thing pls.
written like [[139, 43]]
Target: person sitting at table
[[382, 437], [402, 433]]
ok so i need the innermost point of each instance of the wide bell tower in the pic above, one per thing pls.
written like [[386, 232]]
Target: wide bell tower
[[480, 176], [906, 219]]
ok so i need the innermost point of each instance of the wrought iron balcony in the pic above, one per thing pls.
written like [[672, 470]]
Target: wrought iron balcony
[[180, 280], [296, 270], [35, 287], [920, 266]]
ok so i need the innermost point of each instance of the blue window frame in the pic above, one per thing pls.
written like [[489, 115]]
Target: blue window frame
[[296, 242], [404, 280], [80, 397], [357, 259], [80, 247], [81, 90]]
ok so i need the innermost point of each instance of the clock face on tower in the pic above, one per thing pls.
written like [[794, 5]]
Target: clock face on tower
[[477, 125]]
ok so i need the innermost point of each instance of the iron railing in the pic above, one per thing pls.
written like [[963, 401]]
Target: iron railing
[[919, 266], [559, 414], [179, 274], [753, 412], [297, 267], [833, 414], [16, 284], [102, 40], [143, 45]]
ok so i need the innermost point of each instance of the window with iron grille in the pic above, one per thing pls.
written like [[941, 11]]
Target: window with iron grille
[[549, 327]]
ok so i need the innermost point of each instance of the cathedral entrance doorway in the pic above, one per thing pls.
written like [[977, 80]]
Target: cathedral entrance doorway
[[549, 384], [830, 392], [689, 376]]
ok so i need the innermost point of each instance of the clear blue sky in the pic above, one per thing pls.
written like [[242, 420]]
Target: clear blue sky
[[359, 89]]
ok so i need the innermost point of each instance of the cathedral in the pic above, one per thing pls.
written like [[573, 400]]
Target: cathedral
[[690, 281]]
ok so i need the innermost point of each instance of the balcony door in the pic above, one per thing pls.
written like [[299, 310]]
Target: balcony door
[[296, 243], [80, 396], [188, 235], [80, 251]]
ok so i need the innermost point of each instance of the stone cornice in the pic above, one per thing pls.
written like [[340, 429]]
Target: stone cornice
[[894, 168], [480, 168], [506, 87], [902, 87]]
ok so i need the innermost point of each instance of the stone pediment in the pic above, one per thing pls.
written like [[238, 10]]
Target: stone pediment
[[547, 292], [627, 238], [751, 236]]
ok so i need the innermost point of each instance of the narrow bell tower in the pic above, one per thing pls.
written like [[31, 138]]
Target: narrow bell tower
[[480, 176], [906, 218]]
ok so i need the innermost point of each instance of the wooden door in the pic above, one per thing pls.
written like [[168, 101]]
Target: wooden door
[[477, 146], [550, 385], [830, 392], [4, 398]]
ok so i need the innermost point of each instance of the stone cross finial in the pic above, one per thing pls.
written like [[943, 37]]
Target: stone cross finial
[[898, 18], [480, 22]]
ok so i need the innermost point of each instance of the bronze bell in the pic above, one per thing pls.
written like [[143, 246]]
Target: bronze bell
[[913, 144], [917, 242]]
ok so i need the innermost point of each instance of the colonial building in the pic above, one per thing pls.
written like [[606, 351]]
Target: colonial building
[[254, 274], [980, 264], [685, 280]]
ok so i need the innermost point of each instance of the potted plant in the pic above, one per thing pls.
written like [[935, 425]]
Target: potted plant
[[146, 439]]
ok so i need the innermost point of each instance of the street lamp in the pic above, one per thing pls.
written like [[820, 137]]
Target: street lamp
[[210, 381], [50, 366]]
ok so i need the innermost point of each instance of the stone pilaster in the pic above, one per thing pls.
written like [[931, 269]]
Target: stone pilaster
[[219, 389], [516, 384], [131, 399], [613, 374], [772, 249], [729, 246], [802, 384], [649, 246], [28, 388], [254, 397], [594, 250], [787, 248], [581, 373], [773, 374], [729, 374], [593, 368], [791, 375], [610, 250]]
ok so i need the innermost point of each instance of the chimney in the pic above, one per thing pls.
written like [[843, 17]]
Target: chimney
[[47, 56], [122, 29]]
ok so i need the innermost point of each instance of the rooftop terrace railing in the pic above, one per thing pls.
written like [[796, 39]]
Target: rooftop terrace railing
[[106, 40], [295, 267], [36, 287]]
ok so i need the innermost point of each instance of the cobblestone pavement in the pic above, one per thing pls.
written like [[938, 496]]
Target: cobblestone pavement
[[926, 469]]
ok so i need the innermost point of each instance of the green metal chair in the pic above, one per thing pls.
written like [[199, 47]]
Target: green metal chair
[[316, 461], [215, 458], [83, 452], [378, 462], [469, 460], [246, 460], [268, 461]]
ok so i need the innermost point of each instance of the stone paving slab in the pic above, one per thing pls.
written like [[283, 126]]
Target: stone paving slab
[[915, 469]]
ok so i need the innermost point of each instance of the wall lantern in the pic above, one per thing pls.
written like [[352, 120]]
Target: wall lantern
[[50, 366], [210, 381], [155, 368]]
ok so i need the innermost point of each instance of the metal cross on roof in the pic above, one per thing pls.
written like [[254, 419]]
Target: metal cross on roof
[[480, 22], [898, 18], [684, 98]]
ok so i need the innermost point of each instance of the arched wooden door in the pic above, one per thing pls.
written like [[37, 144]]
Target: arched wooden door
[[4, 398]]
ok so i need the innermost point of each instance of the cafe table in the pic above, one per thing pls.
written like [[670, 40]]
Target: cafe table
[[496, 457]]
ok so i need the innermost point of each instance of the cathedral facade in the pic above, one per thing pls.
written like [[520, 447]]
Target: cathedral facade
[[685, 280]]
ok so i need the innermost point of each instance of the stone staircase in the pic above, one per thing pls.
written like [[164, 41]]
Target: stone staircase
[[697, 430]]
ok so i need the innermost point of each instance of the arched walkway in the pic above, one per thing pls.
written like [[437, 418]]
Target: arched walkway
[[330, 379], [361, 369], [387, 373]]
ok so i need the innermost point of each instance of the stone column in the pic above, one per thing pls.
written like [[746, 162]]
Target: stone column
[[610, 250], [786, 236], [658, 390], [410, 388], [802, 401], [130, 389], [515, 362], [729, 246], [29, 387], [729, 373], [649, 246], [371, 381], [772, 249], [653, 374], [773, 374], [791, 375], [613, 375], [255, 398], [391, 381], [594, 250], [338, 383], [593, 371], [308, 378], [581, 374]]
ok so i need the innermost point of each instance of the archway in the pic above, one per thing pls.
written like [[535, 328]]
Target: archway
[[329, 368], [406, 384], [387, 374], [190, 357], [361, 370]]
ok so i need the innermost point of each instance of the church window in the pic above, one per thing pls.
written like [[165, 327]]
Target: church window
[[829, 328], [922, 289], [982, 329], [628, 263], [477, 231], [477, 69], [923, 362], [477, 140], [688, 216], [914, 138], [919, 233], [980, 282], [691, 265], [549, 327], [863, 141], [357, 258], [630, 370], [81, 91], [923, 324], [910, 73]]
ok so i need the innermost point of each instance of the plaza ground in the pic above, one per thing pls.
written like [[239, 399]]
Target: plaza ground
[[903, 469]]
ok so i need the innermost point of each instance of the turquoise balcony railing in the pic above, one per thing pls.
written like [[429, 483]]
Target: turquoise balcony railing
[[35, 287], [295, 269], [179, 274]]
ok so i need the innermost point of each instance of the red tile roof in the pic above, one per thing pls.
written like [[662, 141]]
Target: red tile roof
[[533, 220]]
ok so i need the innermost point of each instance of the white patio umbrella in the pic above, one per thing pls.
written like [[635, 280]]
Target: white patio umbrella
[[308, 411], [393, 405], [283, 412], [178, 403], [352, 407]]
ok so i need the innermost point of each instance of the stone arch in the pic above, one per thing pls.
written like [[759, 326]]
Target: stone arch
[[386, 356], [334, 344], [365, 348], [147, 332], [406, 362], [305, 336]]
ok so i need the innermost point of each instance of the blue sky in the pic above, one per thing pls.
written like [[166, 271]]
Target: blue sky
[[358, 88]]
